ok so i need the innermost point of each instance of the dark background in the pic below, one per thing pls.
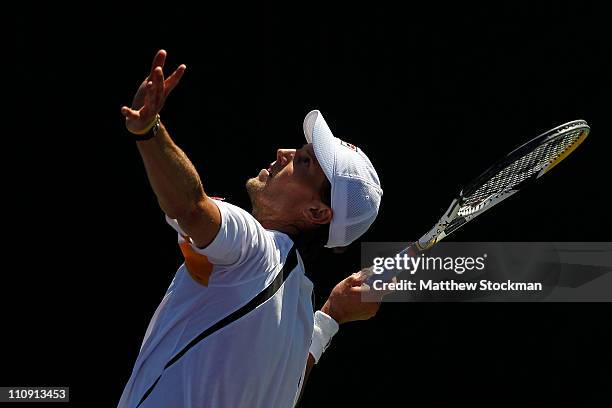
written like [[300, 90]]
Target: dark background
[[433, 94]]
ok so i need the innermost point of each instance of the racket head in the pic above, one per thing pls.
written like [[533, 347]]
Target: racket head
[[521, 167], [507, 176]]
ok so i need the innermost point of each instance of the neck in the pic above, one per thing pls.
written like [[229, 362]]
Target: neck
[[309, 242], [268, 221]]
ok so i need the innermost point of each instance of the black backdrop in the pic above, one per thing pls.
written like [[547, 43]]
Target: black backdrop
[[432, 93]]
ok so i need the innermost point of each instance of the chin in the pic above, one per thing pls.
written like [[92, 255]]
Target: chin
[[255, 188], [254, 185]]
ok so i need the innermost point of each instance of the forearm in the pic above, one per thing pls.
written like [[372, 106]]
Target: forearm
[[323, 331], [171, 174], [310, 362], [343, 305]]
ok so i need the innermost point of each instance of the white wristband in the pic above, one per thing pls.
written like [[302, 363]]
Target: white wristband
[[324, 329]]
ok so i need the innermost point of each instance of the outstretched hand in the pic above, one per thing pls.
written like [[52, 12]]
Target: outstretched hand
[[151, 95]]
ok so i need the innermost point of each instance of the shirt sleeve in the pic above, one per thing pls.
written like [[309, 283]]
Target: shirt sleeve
[[239, 234]]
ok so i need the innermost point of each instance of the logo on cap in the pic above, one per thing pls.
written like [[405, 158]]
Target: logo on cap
[[350, 146]]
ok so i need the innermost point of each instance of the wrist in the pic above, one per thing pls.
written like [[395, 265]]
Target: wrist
[[329, 310], [149, 131], [325, 327]]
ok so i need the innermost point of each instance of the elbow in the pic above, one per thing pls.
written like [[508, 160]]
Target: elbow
[[182, 210]]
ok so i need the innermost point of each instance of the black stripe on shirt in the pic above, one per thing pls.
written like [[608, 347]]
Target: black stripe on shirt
[[267, 293]]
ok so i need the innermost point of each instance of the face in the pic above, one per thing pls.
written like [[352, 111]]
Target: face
[[290, 188]]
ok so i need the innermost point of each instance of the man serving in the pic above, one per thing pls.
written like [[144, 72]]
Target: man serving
[[236, 327]]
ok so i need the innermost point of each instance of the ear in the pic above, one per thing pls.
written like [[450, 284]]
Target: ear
[[318, 213]]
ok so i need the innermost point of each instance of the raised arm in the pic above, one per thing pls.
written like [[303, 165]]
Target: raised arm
[[172, 176]]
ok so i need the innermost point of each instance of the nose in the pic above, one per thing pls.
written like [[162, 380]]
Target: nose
[[283, 156]]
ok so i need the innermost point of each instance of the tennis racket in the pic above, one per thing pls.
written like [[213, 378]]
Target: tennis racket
[[503, 179]]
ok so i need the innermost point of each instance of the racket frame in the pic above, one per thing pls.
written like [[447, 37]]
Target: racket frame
[[453, 220]]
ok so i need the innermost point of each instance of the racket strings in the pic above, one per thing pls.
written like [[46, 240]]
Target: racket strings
[[519, 170]]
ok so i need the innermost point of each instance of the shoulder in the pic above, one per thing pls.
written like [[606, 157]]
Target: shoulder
[[249, 250]]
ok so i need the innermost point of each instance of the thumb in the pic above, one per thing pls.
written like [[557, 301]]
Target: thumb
[[357, 278], [129, 113]]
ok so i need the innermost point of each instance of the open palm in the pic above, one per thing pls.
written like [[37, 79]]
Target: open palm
[[151, 95]]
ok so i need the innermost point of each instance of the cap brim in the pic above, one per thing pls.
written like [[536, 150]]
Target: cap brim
[[323, 141]]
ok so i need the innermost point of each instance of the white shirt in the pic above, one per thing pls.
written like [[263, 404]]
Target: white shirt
[[257, 360]]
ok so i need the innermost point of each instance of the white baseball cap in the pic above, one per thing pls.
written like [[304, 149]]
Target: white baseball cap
[[355, 187]]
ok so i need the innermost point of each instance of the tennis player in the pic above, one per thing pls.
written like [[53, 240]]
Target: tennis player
[[236, 327]]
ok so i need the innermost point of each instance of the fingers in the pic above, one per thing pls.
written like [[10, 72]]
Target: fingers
[[364, 274], [173, 80], [158, 60], [151, 95], [129, 113], [357, 278], [361, 289], [157, 90], [367, 293], [154, 89], [149, 104]]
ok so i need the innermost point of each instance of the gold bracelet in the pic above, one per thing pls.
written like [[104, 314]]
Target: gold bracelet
[[146, 130]]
